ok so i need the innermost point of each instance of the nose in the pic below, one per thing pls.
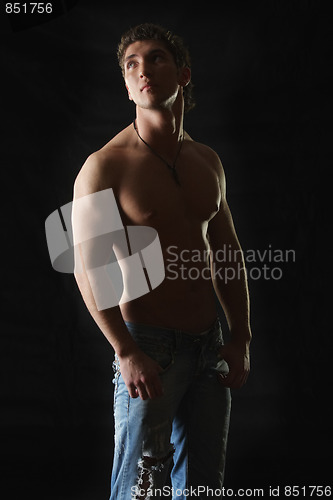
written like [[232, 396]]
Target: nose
[[145, 71]]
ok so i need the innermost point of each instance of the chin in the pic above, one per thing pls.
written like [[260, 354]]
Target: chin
[[157, 104]]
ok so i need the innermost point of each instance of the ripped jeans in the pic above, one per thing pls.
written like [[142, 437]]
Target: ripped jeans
[[184, 431]]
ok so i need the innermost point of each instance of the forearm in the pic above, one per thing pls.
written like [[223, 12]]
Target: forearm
[[109, 321], [139, 371], [231, 288]]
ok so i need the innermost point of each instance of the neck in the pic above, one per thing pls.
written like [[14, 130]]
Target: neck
[[161, 128]]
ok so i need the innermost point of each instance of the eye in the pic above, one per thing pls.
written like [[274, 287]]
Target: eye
[[130, 64]]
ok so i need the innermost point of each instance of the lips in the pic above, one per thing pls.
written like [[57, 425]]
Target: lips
[[148, 86]]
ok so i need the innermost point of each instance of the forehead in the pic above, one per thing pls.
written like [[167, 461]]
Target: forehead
[[143, 47]]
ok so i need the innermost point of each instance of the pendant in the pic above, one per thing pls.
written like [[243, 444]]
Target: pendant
[[175, 175]]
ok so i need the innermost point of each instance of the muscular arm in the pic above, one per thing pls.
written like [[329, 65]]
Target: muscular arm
[[139, 371], [230, 284]]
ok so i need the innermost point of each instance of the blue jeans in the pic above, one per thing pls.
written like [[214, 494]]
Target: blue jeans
[[184, 430]]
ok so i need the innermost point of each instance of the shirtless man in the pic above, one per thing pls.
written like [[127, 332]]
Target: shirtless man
[[172, 383]]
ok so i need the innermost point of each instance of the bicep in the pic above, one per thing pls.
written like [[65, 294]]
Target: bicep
[[96, 220], [221, 230]]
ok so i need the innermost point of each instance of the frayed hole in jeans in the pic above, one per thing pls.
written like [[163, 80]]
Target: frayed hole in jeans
[[147, 466]]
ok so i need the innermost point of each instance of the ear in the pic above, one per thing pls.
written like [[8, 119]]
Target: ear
[[129, 94], [184, 76]]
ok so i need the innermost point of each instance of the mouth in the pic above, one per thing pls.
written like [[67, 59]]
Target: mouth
[[147, 87]]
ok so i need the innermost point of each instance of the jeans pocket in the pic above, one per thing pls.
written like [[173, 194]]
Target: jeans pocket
[[160, 352], [211, 348], [155, 343]]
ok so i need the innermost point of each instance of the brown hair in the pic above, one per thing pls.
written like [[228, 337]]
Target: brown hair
[[173, 43]]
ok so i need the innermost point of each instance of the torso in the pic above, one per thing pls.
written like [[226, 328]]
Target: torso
[[148, 195]]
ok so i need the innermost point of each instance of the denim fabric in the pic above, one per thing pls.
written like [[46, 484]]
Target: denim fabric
[[185, 430]]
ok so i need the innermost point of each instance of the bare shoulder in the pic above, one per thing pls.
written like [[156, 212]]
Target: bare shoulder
[[210, 157], [208, 153], [102, 169]]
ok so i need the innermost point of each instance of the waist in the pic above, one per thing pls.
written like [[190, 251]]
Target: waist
[[186, 310], [161, 330]]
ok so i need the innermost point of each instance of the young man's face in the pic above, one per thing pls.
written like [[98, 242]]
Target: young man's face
[[151, 76]]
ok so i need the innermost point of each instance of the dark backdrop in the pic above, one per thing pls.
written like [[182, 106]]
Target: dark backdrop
[[259, 70]]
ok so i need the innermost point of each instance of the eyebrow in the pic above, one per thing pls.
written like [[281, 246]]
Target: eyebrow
[[130, 57], [149, 53]]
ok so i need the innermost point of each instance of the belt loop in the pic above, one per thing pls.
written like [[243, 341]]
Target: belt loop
[[178, 338]]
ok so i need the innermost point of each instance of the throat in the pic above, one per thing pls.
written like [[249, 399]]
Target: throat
[[170, 166]]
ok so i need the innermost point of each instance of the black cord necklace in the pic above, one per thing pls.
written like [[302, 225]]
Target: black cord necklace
[[171, 167]]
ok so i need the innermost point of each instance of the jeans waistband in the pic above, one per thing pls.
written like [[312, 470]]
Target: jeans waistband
[[144, 328]]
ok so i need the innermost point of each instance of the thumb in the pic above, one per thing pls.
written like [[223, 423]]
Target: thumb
[[222, 378], [222, 352]]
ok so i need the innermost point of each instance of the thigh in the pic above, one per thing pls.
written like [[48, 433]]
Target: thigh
[[143, 446], [208, 406], [200, 433]]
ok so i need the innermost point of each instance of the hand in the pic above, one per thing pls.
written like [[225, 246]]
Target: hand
[[141, 375], [237, 356]]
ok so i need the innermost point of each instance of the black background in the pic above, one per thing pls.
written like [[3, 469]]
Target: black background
[[262, 92]]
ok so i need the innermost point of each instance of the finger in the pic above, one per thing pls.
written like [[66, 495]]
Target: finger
[[154, 387], [142, 391], [233, 379], [224, 379], [230, 380], [132, 391], [150, 389]]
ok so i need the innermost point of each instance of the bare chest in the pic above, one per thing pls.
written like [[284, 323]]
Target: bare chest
[[149, 195]]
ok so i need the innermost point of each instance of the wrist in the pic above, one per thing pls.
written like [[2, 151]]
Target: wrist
[[126, 349]]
